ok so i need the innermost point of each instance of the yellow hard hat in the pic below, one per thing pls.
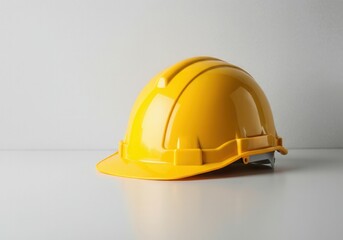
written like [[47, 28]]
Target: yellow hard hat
[[197, 116]]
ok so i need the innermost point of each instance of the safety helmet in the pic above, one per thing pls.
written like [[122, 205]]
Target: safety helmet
[[197, 116]]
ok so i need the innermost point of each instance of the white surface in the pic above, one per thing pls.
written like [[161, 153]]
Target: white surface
[[59, 195], [71, 70]]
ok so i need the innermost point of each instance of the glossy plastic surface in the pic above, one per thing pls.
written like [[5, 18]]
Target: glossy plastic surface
[[197, 116]]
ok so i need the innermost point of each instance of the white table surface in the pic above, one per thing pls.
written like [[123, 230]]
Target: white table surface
[[60, 195]]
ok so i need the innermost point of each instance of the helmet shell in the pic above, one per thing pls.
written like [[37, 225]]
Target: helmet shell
[[200, 114]]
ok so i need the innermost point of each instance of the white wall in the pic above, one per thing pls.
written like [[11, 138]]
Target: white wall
[[70, 70]]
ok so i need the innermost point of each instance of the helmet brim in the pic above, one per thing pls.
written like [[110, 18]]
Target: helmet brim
[[115, 165]]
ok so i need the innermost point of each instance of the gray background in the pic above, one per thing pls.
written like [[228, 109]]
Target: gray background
[[71, 70]]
